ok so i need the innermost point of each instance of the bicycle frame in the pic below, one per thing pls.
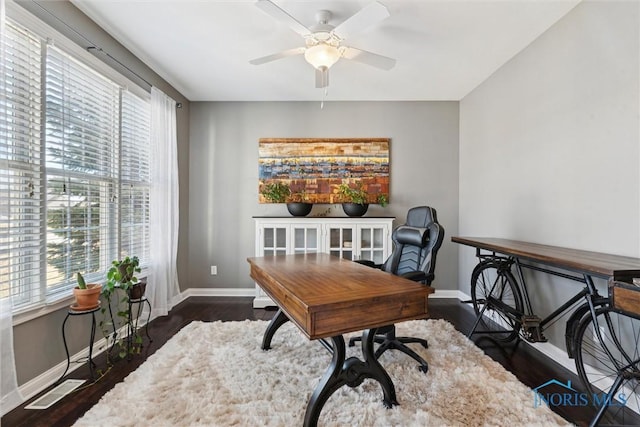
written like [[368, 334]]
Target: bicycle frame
[[589, 293], [500, 295]]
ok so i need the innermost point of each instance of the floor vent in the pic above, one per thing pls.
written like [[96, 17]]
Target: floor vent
[[55, 394]]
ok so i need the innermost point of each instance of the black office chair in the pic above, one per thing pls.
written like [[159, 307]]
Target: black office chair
[[416, 245]]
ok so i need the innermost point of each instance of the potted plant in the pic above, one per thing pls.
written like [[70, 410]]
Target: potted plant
[[122, 276], [355, 200], [279, 192], [87, 295], [298, 203]]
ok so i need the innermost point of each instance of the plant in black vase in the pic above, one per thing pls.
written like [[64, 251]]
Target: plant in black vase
[[298, 202], [279, 192], [355, 200]]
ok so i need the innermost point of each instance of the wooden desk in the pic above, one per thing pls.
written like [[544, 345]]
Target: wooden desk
[[326, 297]]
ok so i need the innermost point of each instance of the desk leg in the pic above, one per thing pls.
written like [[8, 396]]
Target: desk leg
[[351, 372], [278, 320]]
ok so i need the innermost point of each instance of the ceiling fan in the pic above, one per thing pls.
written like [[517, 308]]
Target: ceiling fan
[[324, 42]]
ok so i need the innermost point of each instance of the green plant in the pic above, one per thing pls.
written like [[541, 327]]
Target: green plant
[[122, 273], [355, 194], [276, 192], [359, 196], [122, 276], [81, 282]]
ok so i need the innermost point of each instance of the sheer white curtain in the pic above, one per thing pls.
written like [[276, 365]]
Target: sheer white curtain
[[162, 285], [9, 393]]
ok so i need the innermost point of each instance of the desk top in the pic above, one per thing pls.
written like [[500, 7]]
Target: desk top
[[327, 296], [592, 263]]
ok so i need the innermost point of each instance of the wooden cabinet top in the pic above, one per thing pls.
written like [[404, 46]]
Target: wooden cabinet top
[[321, 218]]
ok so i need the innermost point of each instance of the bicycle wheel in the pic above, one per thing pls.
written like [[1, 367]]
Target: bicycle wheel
[[604, 350], [495, 294]]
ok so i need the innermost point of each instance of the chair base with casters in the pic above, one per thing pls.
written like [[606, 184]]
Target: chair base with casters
[[386, 337]]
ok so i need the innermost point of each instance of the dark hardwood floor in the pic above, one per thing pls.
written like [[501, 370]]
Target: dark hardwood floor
[[529, 365]]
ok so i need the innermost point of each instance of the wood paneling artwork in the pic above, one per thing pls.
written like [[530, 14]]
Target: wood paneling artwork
[[314, 168]]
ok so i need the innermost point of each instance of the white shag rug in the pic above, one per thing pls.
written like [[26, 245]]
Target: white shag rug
[[215, 374]]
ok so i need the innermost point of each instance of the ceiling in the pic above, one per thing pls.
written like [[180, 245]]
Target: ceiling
[[443, 48]]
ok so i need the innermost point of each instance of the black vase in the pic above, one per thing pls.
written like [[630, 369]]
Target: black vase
[[355, 209], [137, 291], [299, 209]]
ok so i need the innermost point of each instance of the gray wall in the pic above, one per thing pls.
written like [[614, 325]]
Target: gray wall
[[549, 145], [224, 172], [38, 342]]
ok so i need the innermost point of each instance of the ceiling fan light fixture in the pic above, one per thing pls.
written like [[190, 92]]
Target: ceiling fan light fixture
[[322, 55]]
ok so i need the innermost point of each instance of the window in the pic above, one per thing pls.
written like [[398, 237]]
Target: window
[[74, 171]]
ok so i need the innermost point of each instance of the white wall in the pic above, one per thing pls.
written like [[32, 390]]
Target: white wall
[[223, 169], [549, 145]]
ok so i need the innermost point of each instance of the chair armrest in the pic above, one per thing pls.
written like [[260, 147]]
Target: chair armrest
[[369, 263]]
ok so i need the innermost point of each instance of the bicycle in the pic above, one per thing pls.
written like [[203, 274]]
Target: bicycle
[[594, 331]]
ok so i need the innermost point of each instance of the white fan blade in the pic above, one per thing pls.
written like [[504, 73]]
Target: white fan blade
[[322, 77], [282, 16], [365, 17], [369, 58], [279, 55]]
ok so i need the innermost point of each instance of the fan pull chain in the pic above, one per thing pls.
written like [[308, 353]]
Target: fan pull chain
[[324, 95]]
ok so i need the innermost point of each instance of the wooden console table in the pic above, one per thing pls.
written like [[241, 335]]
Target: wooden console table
[[594, 264], [325, 297], [582, 266], [600, 336]]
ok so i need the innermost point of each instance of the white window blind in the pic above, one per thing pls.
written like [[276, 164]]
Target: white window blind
[[74, 171], [21, 207], [81, 145], [134, 177]]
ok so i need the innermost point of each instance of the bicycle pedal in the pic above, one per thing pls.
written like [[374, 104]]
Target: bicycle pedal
[[531, 329]]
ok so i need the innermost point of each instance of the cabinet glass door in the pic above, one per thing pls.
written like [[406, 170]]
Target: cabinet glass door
[[341, 242], [372, 244], [306, 239], [274, 241]]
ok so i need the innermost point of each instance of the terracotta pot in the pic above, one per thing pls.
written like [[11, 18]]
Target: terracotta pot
[[89, 298]]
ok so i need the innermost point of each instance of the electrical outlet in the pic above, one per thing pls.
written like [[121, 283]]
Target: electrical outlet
[[214, 270]]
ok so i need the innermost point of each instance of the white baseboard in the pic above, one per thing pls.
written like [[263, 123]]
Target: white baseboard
[[220, 292], [445, 293]]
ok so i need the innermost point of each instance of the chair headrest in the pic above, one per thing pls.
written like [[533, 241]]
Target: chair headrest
[[415, 236]]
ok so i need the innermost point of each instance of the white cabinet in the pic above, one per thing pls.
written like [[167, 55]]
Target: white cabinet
[[350, 238]]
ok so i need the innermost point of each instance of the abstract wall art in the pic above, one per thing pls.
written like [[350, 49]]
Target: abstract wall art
[[314, 168]]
